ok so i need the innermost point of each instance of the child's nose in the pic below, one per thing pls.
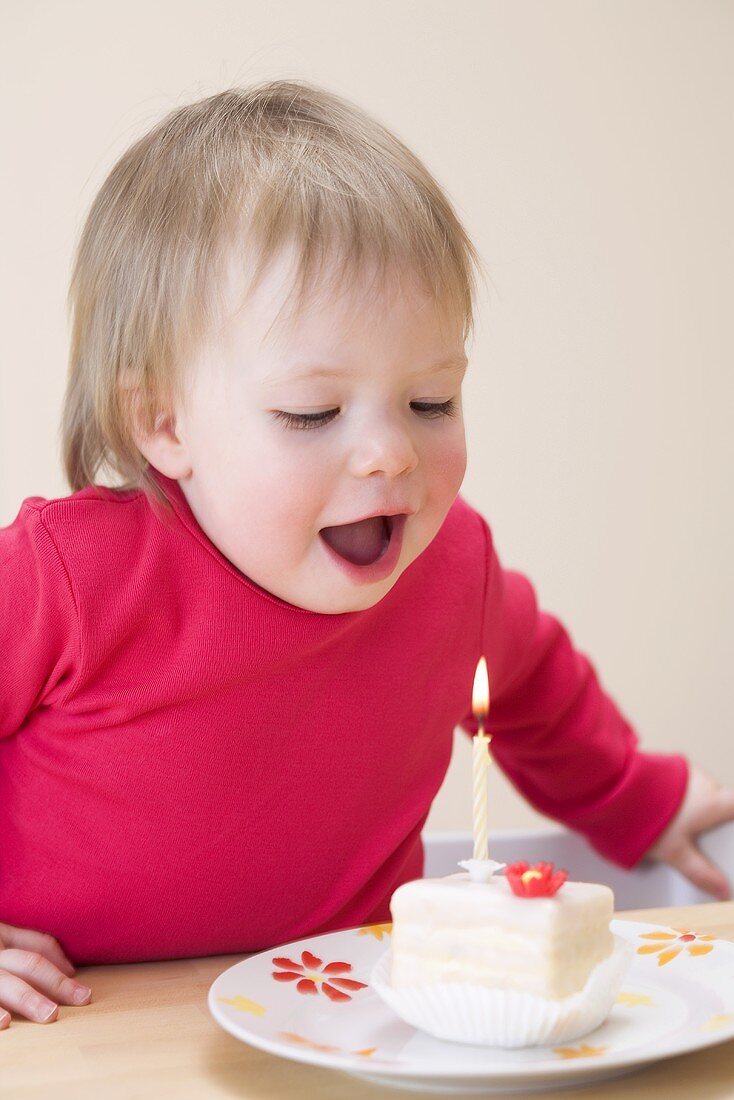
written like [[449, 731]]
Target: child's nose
[[387, 449]]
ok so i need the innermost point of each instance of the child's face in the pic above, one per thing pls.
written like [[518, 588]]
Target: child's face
[[263, 487]]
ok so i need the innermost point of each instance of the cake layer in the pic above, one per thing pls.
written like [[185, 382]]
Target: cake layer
[[453, 929]]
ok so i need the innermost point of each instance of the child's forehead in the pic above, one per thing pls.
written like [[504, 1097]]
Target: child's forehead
[[338, 301]]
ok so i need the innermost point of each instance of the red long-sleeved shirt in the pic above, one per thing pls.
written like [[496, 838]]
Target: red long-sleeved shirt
[[190, 765]]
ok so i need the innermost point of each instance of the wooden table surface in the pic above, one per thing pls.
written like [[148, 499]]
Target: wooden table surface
[[149, 1033]]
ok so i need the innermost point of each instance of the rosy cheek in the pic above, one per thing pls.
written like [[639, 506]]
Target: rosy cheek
[[452, 462]]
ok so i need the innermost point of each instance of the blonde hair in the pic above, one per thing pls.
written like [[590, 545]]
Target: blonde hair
[[277, 162]]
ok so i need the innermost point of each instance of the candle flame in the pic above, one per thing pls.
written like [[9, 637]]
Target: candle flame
[[480, 694]]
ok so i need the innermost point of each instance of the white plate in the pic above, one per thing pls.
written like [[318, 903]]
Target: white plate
[[678, 997]]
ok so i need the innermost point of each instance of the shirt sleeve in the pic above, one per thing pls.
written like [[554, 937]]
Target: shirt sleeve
[[558, 736], [39, 625]]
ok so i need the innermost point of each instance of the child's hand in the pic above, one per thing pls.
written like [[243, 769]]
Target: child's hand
[[33, 968], [705, 804]]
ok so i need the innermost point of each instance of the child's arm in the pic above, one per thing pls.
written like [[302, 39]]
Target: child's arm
[[565, 745], [39, 649], [35, 976], [39, 627]]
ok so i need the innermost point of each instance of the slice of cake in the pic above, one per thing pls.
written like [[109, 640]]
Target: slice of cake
[[454, 929], [527, 959]]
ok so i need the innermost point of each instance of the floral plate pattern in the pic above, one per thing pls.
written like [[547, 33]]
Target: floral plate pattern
[[311, 1001]]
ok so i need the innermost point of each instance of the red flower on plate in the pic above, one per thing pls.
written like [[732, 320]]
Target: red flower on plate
[[310, 974], [536, 881]]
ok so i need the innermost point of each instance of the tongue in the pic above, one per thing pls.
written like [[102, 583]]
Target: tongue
[[360, 543]]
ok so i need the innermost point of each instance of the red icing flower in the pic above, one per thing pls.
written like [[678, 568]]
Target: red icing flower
[[536, 881], [311, 974]]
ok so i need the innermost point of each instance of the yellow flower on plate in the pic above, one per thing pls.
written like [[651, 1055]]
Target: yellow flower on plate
[[244, 1005], [584, 1051], [717, 1022], [668, 945], [633, 999]]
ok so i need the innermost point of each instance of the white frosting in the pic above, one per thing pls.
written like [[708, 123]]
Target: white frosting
[[453, 929]]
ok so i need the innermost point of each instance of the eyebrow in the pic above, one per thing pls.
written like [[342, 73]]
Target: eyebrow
[[319, 371]]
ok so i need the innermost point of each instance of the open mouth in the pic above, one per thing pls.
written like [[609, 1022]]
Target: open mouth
[[360, 543]]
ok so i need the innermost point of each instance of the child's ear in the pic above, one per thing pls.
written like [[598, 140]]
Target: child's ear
[[165, 450]]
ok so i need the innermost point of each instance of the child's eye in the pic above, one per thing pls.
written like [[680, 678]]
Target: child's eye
[[305, 420], [428, 409], [432, 410]]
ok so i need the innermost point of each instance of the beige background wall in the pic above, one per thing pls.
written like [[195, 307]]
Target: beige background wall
[[588, 147]]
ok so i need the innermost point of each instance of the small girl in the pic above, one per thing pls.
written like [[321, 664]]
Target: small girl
[[228, 686]]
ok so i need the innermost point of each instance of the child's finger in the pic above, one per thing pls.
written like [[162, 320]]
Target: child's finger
[[702, 872], [21, 998], [40, 974], [29, 940], [717, 810]]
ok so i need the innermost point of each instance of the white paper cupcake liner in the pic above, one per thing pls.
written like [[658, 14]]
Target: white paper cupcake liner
[[466, 1013]]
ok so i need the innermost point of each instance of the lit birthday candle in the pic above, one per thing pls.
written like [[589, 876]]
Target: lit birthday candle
[[480, 761]]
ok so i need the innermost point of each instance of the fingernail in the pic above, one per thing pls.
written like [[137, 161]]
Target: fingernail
[[45, 1011], [81, 994]]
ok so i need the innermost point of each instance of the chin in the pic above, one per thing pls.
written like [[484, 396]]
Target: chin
[[334, 603]]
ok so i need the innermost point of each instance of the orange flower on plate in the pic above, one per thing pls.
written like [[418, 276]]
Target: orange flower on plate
[[667, 944], [376, 930], [310, 974], [294, 1038]]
